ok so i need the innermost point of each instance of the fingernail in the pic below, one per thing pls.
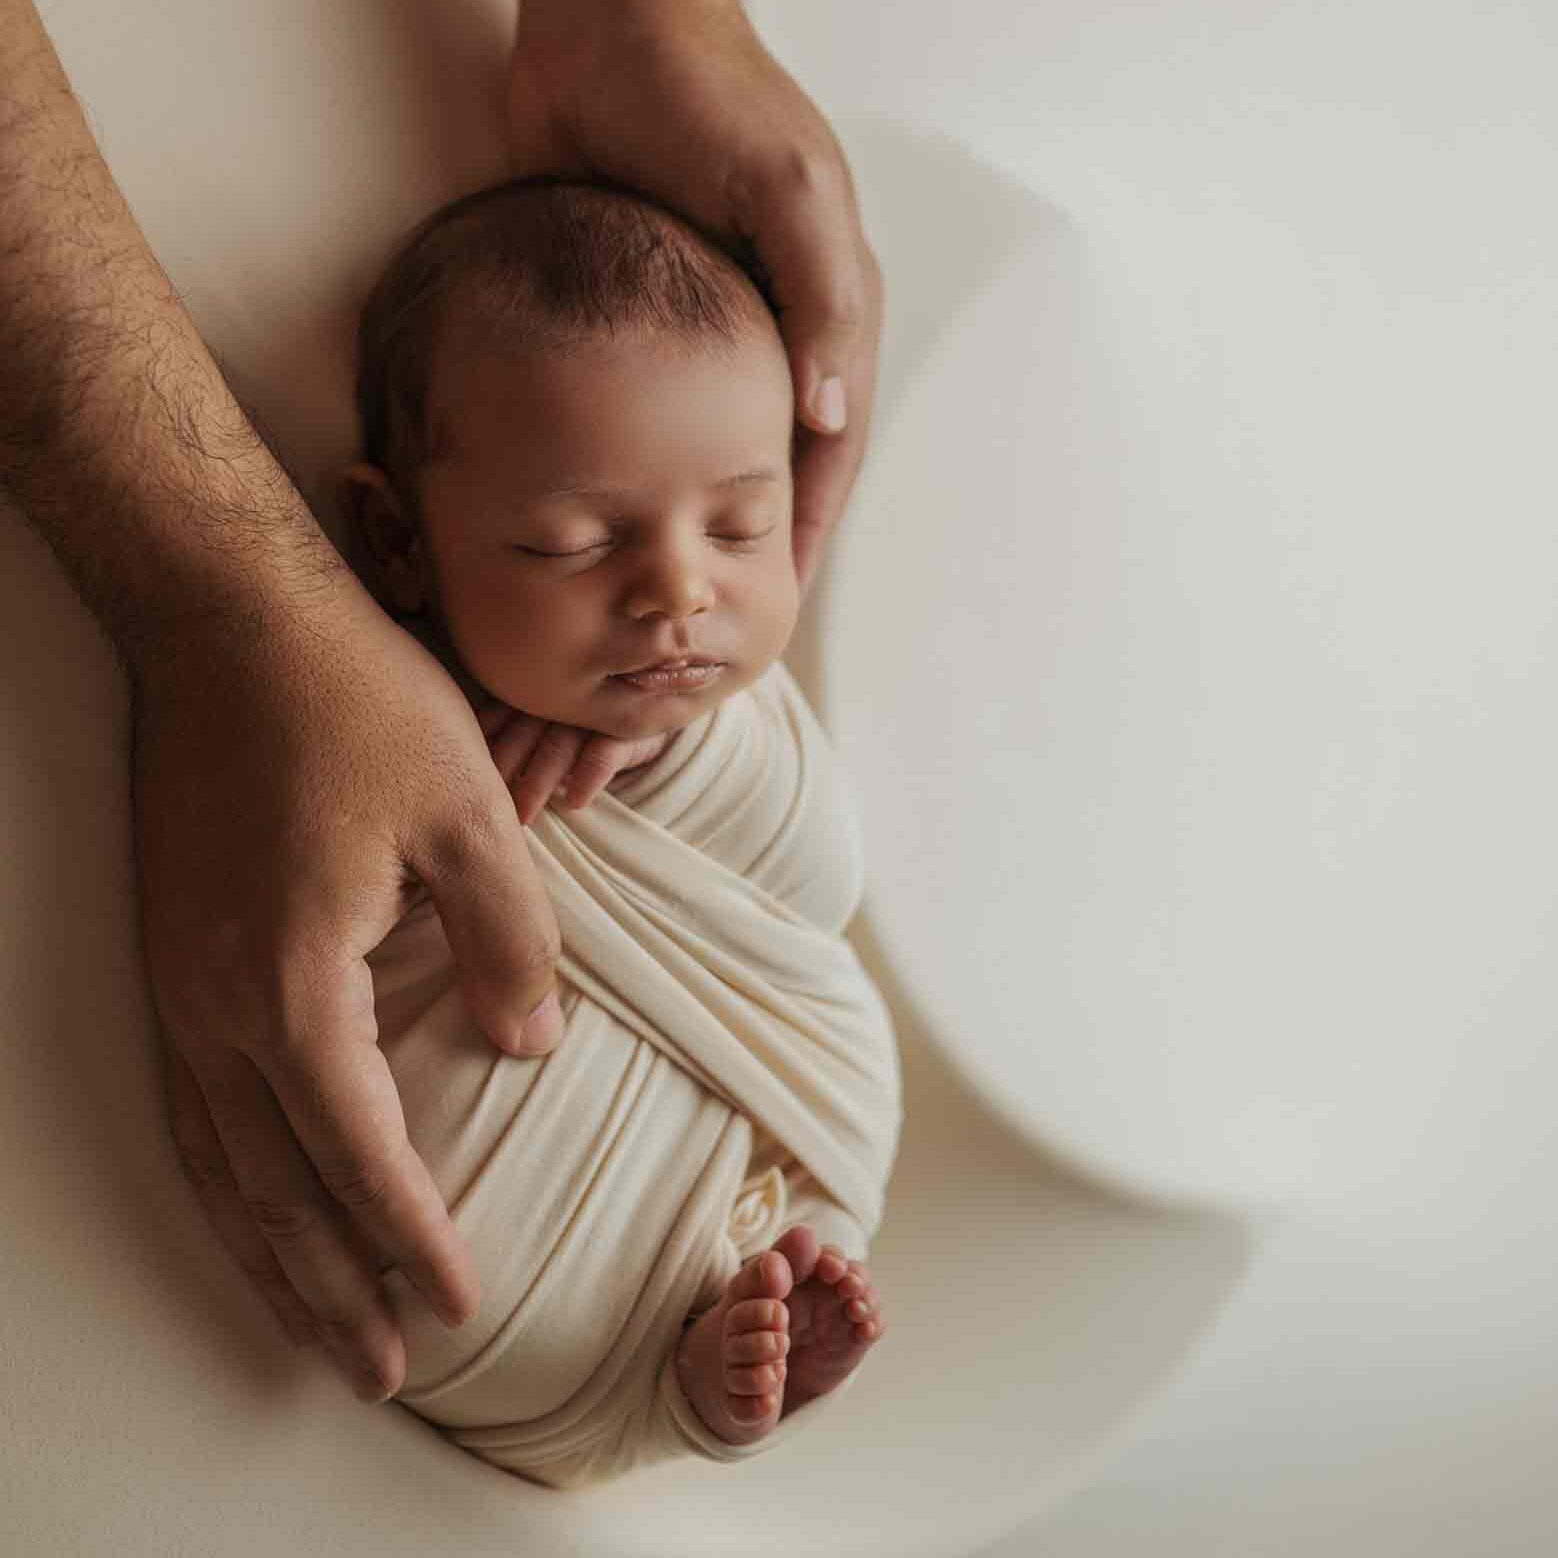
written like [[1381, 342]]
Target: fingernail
[[827, 403], [544, 1026]]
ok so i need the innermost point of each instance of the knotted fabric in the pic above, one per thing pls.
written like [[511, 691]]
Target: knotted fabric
[[727, 1071]]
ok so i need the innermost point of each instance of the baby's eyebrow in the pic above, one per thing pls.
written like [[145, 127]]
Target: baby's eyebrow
[[583, 490]]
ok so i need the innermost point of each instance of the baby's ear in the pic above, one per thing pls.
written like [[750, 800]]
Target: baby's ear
[[384, 537]]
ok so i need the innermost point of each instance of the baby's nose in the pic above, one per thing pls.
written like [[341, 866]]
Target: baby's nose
[[672, 584]]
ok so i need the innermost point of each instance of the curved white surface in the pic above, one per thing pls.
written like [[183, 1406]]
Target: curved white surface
[[1248, 452], [1193, 632]]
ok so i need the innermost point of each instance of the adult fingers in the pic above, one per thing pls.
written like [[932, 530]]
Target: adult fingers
[[499, 923], [824, 471], [205, 1166], [313, 1131], [333, 1084], [799, 209], [513, 743], [825, 466]]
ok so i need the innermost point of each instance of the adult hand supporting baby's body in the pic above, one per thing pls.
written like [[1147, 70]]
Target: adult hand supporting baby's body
[[678, 98], [295, 754], [291, 788]]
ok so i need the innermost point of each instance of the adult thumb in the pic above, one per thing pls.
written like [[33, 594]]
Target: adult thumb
[[806, 234], [502, 932]]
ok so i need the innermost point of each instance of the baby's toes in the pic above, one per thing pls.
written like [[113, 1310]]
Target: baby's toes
[[756, 1343], [860, 1301], [853, 1283], [757, 1337], [763, 1380], [832, 1264], [756, 1347], [866, 1315], [755, 1314]]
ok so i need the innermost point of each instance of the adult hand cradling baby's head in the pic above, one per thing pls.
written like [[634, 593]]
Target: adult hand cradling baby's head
[[683, 102]]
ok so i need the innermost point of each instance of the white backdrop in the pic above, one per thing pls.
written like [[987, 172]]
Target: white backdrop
[[1208, 669]]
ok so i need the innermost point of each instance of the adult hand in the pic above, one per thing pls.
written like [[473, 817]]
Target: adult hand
[[679, 98], [292, 786], [296, 755]]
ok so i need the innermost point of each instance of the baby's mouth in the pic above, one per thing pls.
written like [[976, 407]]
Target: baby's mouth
[[671, 675]]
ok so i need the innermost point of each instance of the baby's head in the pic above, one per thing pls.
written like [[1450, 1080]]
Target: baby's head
[[576, 416]]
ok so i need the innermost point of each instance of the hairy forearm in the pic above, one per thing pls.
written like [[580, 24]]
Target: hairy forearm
[[119, 439]]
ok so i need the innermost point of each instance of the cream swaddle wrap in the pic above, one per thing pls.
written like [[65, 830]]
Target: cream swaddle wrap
[[727, 1070]]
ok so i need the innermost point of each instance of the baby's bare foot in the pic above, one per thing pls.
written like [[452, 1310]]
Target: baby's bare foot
[[731, 1359], [834, 1322]]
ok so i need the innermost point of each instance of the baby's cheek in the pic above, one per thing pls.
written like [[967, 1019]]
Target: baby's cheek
[[776, 607], [517, 650]]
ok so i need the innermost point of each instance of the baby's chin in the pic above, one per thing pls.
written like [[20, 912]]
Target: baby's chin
[[627, 713]]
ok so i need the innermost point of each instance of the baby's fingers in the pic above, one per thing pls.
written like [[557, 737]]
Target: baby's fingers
[[492, 716], [549, 762], [599, 761], [512, 739]]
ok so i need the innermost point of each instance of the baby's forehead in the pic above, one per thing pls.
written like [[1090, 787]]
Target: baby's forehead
[[641, 411], [477, 361], [523, 345]]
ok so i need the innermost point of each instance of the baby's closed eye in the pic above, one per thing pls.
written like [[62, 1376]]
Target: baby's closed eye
[[740, 539]]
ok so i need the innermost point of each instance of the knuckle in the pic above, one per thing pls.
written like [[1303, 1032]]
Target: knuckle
[[316, 1002], [341, 1329], [596, 763], [802, 171], [846, 306], [357, 1186], [211, 1177], [266, 1276], [558, 741], [282, 1222], [541, 957], [464, 838]]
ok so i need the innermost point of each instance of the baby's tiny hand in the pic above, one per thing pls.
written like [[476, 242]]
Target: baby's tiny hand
[[542, 761]]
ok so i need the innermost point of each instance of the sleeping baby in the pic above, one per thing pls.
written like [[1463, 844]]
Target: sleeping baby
[[576, 419]]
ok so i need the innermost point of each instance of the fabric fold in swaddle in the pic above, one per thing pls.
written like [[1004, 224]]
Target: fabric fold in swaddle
[[727, 1070]]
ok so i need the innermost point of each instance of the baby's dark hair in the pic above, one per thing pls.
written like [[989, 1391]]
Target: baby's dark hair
[[546, 263]]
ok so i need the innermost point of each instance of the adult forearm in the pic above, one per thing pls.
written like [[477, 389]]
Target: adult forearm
[[119, 439]]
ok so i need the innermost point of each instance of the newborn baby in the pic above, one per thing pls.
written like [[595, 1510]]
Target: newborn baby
[[576, 417]]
